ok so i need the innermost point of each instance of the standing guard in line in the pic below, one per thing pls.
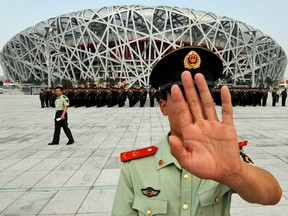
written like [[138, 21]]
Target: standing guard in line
[[42, 98], [53, 98], [142, 96], [152, 96], [274, 97], [284, 96], [87, 98], [121, 97], [47, 97], [131, 97], [265, 96]]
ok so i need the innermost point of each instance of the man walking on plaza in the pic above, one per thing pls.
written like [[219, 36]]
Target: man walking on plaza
[[61, 117], [197, 167]]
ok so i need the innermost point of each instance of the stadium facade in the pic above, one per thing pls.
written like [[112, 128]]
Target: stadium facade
[[124, 42]]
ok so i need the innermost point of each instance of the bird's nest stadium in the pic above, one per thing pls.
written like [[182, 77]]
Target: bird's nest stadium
[[124, 42]]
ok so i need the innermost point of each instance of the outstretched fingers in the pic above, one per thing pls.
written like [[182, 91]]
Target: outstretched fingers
[[183, 112], [207, 101], [192, 97], [227, 108]]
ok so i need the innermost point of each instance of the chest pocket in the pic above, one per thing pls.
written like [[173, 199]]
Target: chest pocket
[[149, 207], [216, 201]]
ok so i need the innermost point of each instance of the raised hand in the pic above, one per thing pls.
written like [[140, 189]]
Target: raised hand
[[208, 148]]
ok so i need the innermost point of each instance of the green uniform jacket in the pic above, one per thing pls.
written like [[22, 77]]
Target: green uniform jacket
[[176, 192], [61, 102]]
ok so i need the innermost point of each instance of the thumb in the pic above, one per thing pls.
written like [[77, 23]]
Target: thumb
[[177, 148]]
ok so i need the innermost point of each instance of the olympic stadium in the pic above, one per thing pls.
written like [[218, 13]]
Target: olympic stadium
[[124, 42]]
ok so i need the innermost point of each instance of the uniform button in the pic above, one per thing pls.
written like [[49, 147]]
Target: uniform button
[[148, 212], [161, 162], [185, 206], [186, 176], [217, 200]]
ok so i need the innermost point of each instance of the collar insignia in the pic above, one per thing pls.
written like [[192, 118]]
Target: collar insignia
[[150, 192], [192, 60]]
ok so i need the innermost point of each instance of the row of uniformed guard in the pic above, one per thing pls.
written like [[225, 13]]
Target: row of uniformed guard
[[110, 97], [100, 97], [251, 96], [277, 94], [244, 96]]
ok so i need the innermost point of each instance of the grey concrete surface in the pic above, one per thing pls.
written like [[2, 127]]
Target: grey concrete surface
[[37, 179]]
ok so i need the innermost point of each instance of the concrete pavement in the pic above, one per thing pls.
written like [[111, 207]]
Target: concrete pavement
[[37, 179]]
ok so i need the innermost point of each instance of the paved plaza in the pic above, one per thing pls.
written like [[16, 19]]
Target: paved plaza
[[81, 179]]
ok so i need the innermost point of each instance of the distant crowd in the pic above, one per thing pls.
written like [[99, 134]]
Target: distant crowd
[[100, 97], [251, 96], [110, 97]]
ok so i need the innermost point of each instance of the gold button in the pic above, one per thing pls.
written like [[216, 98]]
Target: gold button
[[185, 206], [148, 212], [161, 162], [217, 200], [186, 176]]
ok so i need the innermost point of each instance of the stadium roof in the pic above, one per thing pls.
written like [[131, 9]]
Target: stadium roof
[[126, 41]]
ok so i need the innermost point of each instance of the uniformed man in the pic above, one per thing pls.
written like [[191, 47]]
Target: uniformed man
[[205, 168], [42, 98], [61, 117], [142, 96], [284, 96], [265, 96], [47, 96], [274, 97], [53, 98], [152, 96]]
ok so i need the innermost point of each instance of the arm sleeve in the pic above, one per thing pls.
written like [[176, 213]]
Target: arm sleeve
[[65, 101], [124, 197]]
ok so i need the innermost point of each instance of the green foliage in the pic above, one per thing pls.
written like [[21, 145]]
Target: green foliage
[[57, 82], [33, 82], [67, 83], [271, 82]]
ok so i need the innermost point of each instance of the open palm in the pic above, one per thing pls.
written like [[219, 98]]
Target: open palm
[[208, 148]]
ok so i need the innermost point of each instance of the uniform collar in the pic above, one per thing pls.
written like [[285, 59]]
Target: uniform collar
[[164, 157]]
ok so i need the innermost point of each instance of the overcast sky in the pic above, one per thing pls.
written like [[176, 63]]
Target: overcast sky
[[268, 16]]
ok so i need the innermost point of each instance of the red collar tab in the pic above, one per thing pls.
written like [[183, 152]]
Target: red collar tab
[[243, 143], [138, 153]]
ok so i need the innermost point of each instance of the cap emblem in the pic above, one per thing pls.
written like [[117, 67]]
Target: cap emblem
[[192, 60]]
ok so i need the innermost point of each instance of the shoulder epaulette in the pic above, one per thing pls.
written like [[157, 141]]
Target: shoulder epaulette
[[138, 153], [244, 156]]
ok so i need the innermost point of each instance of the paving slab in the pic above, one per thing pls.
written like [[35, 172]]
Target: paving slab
[[81, 179]]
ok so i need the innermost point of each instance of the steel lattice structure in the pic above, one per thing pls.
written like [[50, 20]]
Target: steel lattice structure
[[126, 41]]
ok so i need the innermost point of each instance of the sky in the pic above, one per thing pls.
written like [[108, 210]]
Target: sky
[[268, 16]]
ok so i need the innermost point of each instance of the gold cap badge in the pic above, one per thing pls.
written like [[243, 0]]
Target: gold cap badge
[[192, 60]]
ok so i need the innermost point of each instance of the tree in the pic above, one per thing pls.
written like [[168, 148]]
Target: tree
[[67, 83]]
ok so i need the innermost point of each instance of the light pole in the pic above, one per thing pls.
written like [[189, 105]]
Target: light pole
[[46, 39]]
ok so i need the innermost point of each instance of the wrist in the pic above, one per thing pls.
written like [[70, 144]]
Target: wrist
[[237, 179]]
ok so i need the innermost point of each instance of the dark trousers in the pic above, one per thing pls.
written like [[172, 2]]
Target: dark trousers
[[42, 103], [283, 101], [64, 125]]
